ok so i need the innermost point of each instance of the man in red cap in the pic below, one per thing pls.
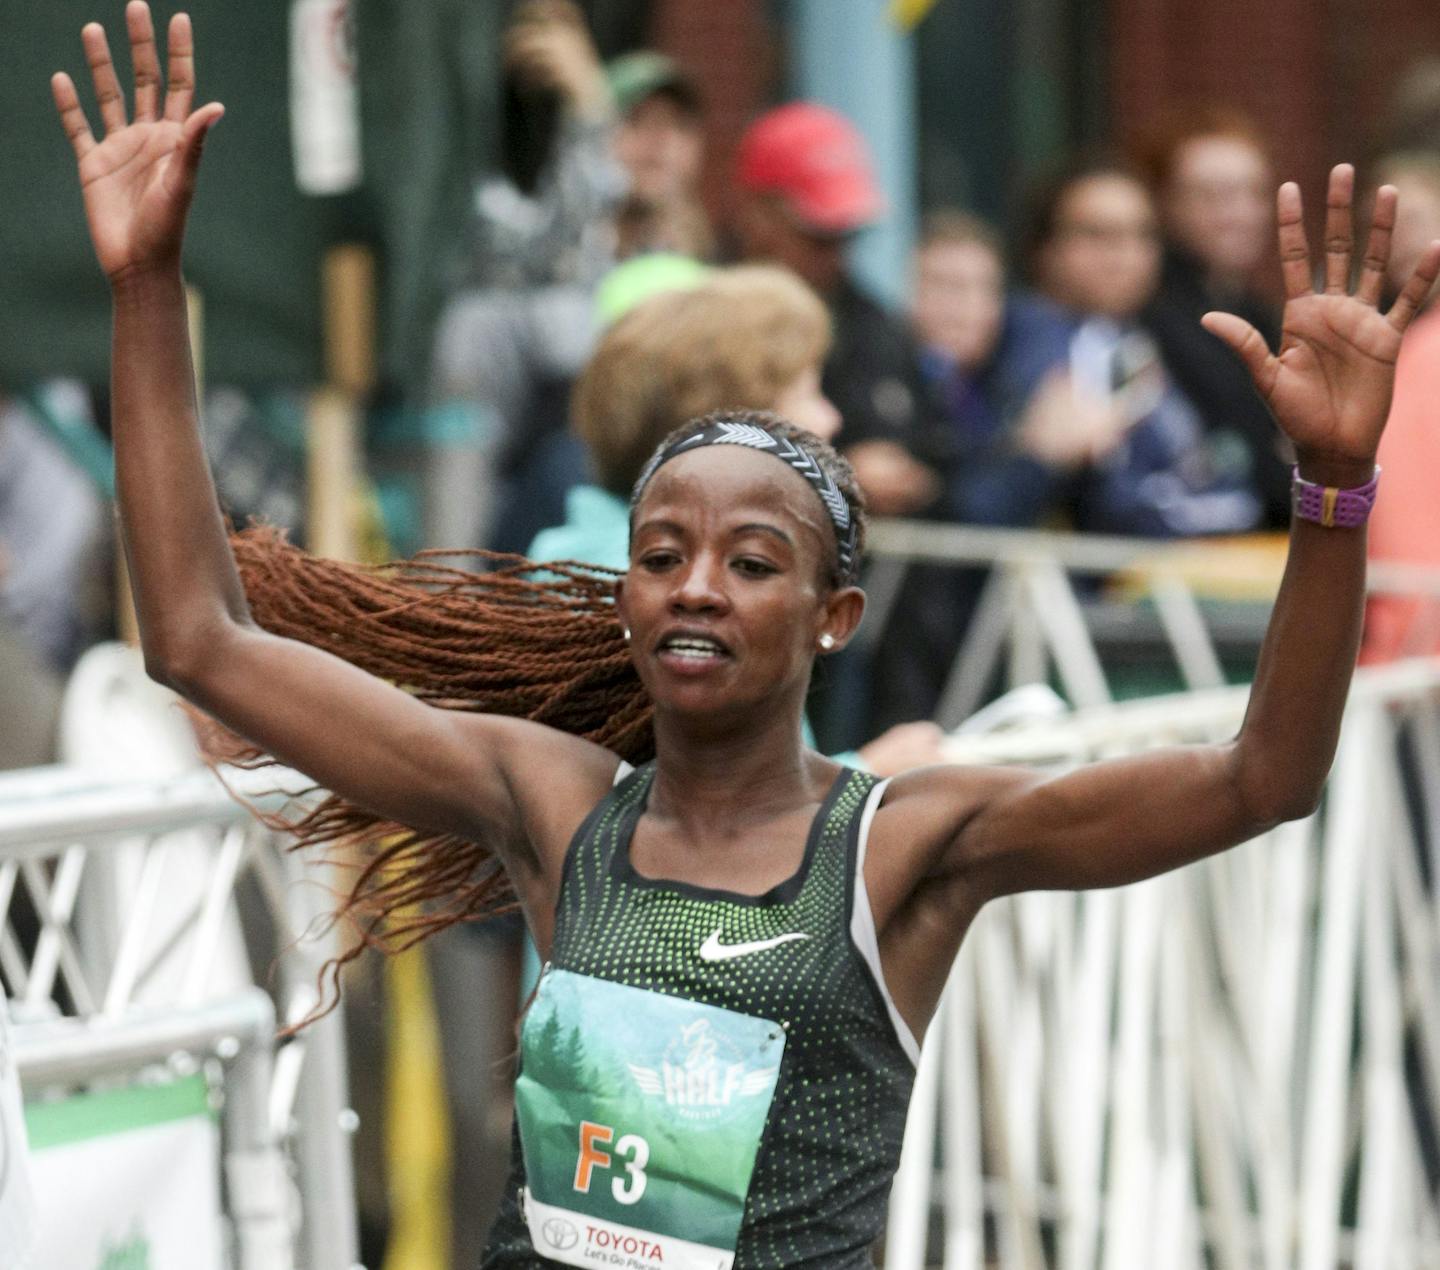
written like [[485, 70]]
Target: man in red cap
[[806, 188]]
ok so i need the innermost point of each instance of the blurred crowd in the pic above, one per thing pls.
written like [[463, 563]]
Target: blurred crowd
[[1050, 372]]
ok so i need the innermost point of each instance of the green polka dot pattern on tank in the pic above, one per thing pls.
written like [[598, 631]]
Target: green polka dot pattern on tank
[[832, 1140]]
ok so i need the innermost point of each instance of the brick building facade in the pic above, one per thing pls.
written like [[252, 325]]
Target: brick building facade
[[1317, 74]]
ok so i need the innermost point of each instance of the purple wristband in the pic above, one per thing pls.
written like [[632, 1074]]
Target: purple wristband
[[1334, 508]]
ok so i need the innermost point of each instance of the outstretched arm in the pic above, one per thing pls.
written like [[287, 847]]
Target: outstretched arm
[[137, 185], [1114, 822], [366, 739]]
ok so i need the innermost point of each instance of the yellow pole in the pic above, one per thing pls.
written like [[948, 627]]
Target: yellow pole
[[417, 1138], [416, 1131], [333, 435]]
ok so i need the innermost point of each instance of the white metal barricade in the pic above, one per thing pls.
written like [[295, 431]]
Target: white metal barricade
[[1236, 1065], [81, 1016], [1033, 613]]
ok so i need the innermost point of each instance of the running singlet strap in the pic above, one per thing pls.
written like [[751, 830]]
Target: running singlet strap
[[862, 926]]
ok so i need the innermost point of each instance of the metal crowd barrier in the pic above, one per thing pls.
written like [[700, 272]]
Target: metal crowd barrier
[[1037, 612], [154, 990], [1235, 1065]]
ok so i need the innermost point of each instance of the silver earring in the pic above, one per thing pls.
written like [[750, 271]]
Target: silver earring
[[626, 630], [827, 641]]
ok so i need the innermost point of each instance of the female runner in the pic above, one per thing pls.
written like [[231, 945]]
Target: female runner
[[745, 941]]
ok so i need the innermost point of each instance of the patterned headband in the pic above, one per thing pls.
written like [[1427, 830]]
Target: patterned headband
[[847, 527]]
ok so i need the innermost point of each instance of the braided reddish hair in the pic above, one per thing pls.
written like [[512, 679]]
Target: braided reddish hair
[[539, 645]]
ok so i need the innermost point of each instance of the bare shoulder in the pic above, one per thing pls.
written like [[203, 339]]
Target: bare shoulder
[[555, 780], [922, 897], [921, 825]]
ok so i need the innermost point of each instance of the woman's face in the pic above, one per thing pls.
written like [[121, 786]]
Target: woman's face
[[1218, 204], [661, 147], [1103, 256], [959, 300], [1417, 222], [727, 592], [804, 404]]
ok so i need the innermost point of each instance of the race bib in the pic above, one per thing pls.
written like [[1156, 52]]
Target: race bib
[[640, 1119]]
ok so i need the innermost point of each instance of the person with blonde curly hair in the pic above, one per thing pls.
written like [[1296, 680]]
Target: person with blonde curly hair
[[751, 336]]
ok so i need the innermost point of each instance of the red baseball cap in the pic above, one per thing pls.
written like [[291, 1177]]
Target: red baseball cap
[[816, 161]]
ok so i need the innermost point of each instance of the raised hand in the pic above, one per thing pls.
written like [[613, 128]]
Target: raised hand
[[138, 181], [548, 44], [1329, 387]]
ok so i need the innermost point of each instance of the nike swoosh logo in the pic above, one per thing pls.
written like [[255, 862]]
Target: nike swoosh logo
[[713, 950]]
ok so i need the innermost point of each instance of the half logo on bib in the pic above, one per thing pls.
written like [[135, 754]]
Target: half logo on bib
[[640, 1120]]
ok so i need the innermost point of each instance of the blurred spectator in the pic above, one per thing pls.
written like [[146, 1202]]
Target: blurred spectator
[[1414, 114], [1415, 175], [30, 693], [255, 441], [806, 188], [53, 526], [635, 280], [1092, 246], [660, 142], [53, 568], [750, 336], [544, 218], [511, 340], [1000, 370], [1209, 172], [1017, 435], [1405, 525]]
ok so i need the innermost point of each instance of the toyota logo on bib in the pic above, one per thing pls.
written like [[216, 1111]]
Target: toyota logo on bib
[[559, 1234]]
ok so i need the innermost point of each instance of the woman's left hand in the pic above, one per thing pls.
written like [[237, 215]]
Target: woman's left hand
[[1329, 387]]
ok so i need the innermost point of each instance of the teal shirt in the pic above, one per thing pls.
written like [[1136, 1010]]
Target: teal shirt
[[597, 531]]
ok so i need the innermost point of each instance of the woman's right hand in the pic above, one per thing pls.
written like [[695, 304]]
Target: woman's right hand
[[138, 181]]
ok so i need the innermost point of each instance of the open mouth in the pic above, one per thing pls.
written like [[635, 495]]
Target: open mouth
[[696, 649]]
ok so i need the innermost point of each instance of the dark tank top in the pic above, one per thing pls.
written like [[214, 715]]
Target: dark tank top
[[802, 955]]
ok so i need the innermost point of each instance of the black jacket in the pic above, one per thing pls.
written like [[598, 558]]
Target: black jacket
[[1216, 380]]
